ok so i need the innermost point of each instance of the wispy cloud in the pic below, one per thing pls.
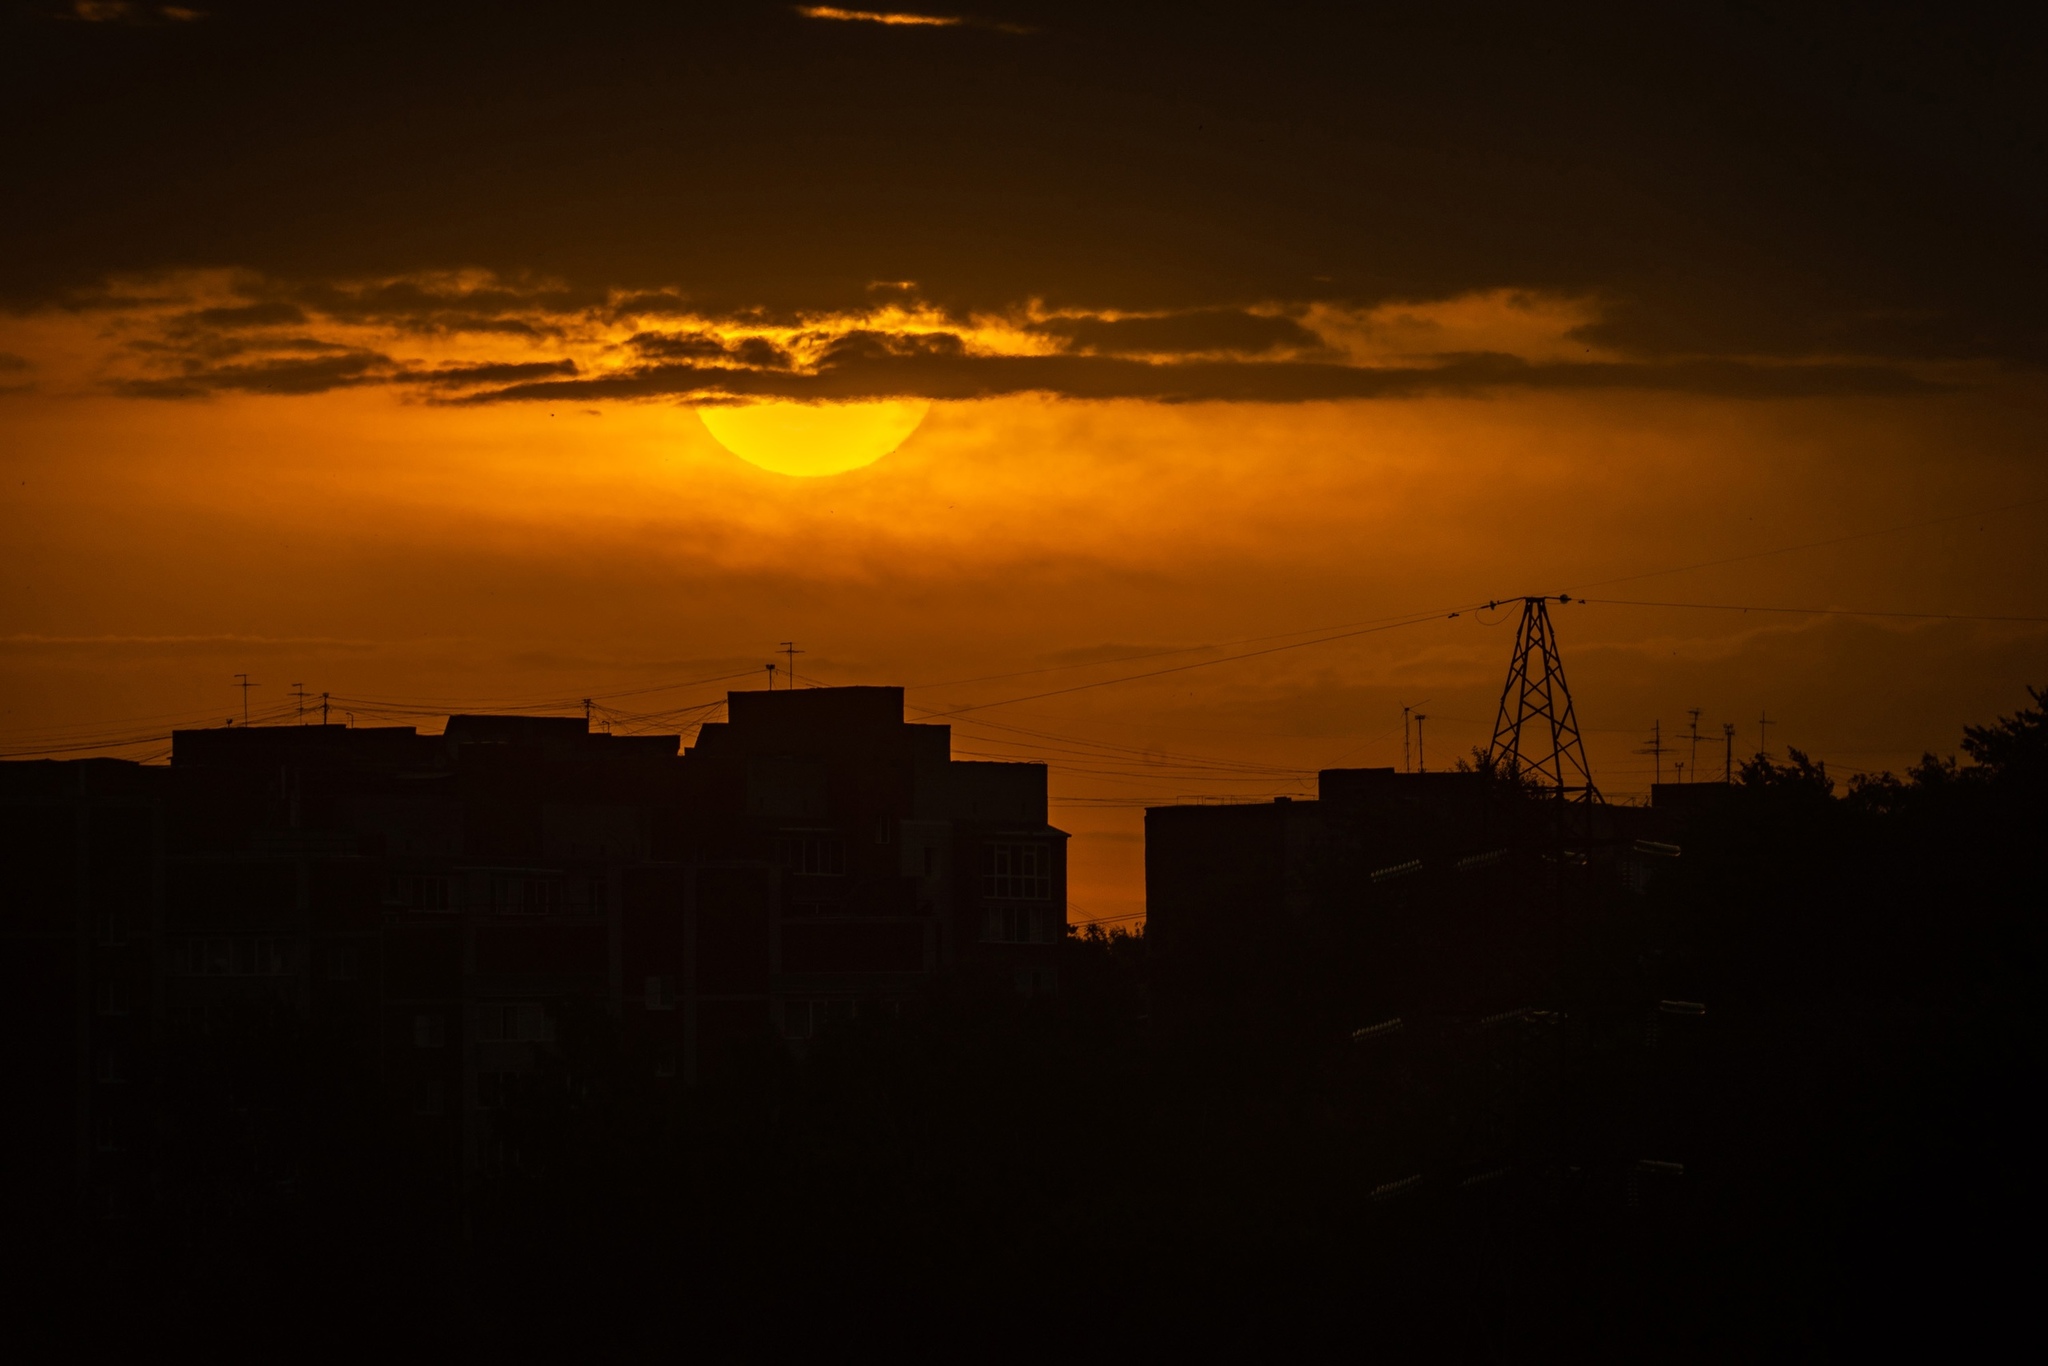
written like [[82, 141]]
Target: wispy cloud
[[897, 18], [124, 12]]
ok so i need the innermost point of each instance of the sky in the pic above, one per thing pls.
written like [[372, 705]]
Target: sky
[[363, 348]]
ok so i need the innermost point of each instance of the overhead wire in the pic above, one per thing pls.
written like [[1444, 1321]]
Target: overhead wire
[[1820, 611]]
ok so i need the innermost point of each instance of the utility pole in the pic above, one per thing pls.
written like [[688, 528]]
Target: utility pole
[[1655, 749], [586, 713], [244, 683], [1537, 730], [1763, 725], [1421, 762], [789, 649], [771, 678], [299, 693], [1728, 762], [1407, 764], [1694, 758], [323, 709]]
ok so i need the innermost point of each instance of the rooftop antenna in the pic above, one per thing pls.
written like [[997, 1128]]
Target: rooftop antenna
[[1728, 760], [299, 692], [1537, 731], [244, 684], [1406, 712], [1694, 757], [789, 648], [1656, 749], [1421, 763]]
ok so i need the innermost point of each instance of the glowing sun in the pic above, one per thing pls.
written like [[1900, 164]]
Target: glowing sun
[[810, 439]]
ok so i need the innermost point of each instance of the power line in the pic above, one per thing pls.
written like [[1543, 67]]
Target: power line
[[1391, 625], [1819, 611], [1815, 545]]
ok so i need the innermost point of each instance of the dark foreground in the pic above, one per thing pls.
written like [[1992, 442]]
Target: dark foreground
[[1841, 1161]]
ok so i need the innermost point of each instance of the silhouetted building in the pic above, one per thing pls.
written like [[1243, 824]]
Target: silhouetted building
[[299, 942], [81, 920], [1390, 894]]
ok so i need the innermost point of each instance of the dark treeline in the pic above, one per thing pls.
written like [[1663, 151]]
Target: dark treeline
[[1832, 1157]]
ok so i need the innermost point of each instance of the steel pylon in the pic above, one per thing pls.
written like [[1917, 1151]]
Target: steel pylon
[[1536, 734]]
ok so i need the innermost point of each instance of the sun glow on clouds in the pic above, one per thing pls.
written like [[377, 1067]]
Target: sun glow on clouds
[[899, 19], [862, 16], [473, 338]]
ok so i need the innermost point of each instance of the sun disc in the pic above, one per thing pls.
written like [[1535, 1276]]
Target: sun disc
[[812, 439]]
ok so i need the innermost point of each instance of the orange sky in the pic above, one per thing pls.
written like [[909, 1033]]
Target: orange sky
[[380, 548], [358, 349]]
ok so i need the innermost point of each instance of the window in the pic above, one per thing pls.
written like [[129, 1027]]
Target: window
[[1016, 872], [496, 1090], [266, 958], [811, 855], [506, 1022], [1018, 925], [421, 892], [807, 1019], [429, 1031], [1036, 982]]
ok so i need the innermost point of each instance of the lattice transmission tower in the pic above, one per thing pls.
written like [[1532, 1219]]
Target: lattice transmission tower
[[1536, 734]]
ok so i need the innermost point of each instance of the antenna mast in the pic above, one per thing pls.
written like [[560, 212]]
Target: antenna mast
[[1656, 749], [1537, 731]]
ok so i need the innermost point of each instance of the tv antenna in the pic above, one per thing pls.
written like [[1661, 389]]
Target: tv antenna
[[1537, 731], [1656, 749], [1407, 712], [242, 682]]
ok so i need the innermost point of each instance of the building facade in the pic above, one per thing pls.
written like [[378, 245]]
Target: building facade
[[301, 942]]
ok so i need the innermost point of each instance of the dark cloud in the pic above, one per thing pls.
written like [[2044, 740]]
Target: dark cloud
[[10, 362], [1208, 329], [420, 306], [267, 314], [287, 376], [869, 369], [466, 376], [1753, 180], [127, 12]]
